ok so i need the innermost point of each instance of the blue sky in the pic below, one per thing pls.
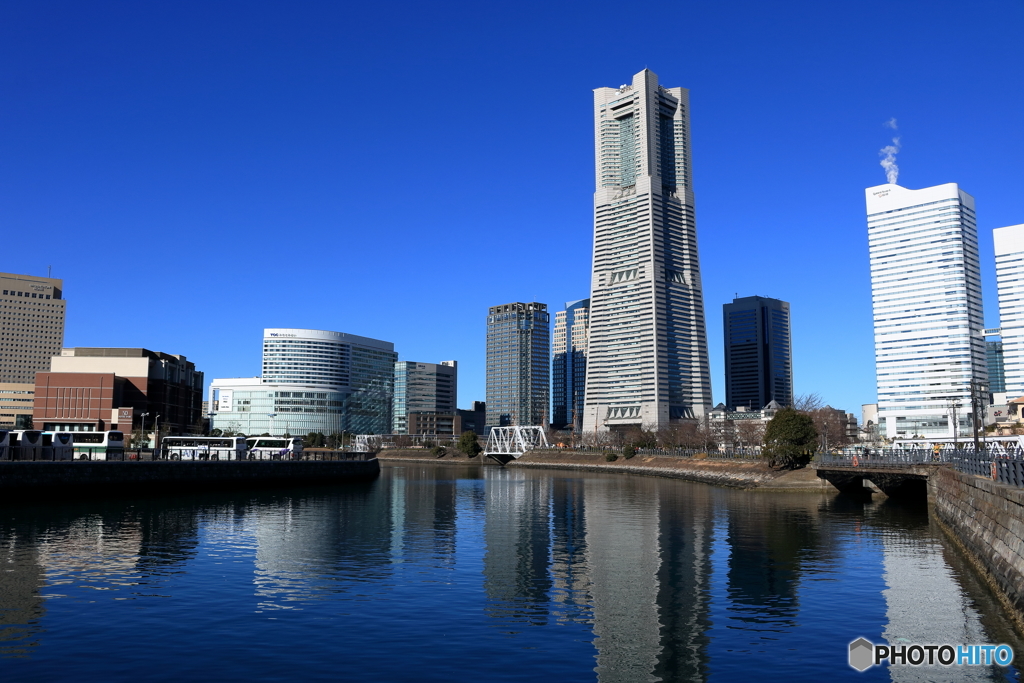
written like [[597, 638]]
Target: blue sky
[[197, 171]]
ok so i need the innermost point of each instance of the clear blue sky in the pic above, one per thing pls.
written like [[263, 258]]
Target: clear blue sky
[[197, 171]]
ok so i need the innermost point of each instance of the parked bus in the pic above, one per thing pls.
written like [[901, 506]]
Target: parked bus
[[5, 444], [274, 447], [98, 445], [26, 444], [58, 446], [204, 447]]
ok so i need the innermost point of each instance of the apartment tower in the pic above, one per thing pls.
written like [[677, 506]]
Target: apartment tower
[[926, 293], [569, 364], [518, 364], [647, 361], [758, 352], [1009, 247]]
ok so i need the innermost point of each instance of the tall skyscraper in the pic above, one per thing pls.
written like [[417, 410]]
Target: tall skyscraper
[[758, 352], [518, 364], [648, 361], [423, 388], [569, 364], [926, 289], [1009, 248], [31, 325]]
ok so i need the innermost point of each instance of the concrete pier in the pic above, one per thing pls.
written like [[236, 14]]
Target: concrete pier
[[19, 480]]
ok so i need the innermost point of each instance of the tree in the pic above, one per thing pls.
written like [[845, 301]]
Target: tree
[[216, 432], [315, 440], [749, 433], [468, 444], [789, 439], [807, 403]]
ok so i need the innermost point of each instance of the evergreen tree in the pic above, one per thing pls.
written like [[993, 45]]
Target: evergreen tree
[[789, 439]]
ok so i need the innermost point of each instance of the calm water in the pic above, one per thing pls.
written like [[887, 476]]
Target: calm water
[[458, 574]]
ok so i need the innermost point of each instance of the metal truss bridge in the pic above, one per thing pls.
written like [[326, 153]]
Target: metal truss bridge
[[505, 444]]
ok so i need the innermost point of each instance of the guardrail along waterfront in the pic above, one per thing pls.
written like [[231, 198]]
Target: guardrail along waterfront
[[1001, 465]]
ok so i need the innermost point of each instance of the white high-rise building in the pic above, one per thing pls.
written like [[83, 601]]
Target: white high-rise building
[[1009, 247], [926, 293], [648, 359]]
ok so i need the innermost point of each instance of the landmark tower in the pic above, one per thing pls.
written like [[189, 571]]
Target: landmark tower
[[647, 359]]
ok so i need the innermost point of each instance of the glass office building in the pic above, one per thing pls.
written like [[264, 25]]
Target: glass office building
[[569, 364], [313, 381], [423, 388], [926, 293], [758, 352], [994, 360], [518, 364]]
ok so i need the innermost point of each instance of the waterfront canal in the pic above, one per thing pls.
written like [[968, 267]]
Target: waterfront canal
[[435, 573]]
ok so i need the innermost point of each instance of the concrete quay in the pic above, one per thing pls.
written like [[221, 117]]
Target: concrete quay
[[39, 480]]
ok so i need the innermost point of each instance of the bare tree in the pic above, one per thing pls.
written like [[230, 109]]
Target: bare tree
[[750, 433], [807, 403]]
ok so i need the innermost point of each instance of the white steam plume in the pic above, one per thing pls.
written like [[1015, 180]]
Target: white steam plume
[[888, 154]]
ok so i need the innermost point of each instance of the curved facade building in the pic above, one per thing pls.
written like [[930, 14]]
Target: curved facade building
[[313, 381]]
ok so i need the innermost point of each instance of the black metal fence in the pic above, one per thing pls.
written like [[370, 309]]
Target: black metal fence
[[1002, 467], [87, 454]]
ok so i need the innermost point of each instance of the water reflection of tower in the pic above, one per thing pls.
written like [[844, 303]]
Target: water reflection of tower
[[569, 573], [623, 555], [425, 508], [21, 606], [686, 517], [923, 599], [518, 544]]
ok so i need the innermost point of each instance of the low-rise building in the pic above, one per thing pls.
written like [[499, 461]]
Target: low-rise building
[[118, 388]]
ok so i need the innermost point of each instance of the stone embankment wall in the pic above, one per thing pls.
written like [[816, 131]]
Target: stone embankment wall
[[35, 479], [732, 473], [986, 520]]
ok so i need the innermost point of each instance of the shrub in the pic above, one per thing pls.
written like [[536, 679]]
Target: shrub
[[468, 444], [438, 451], [628, 452], [611, 457]]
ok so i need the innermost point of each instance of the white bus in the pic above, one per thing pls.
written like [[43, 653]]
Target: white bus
[[5, 444], [274, 447], [204, 447], [58, 446], [26, 444], [98, 445]]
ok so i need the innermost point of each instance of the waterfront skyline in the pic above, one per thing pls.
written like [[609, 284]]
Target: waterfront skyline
[[198, 140]]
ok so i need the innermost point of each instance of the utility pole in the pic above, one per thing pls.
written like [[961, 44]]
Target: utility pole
[[954, 403]]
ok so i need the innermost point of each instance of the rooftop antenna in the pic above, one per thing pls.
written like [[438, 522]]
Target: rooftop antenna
[[48, 270]]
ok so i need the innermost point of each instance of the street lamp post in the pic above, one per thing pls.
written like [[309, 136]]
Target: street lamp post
[[272, 416], [954, 404], [142, 426], [156, 433]]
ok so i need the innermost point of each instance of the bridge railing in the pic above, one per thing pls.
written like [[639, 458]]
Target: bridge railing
[[1002, 466]]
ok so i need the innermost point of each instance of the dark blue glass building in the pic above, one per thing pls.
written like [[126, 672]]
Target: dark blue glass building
[[758, 352]]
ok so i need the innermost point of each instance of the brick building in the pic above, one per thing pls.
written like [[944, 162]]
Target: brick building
[[115, 388]]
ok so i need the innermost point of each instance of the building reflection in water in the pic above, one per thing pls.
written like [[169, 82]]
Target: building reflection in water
[[610, 551], [311, 546], [518, 545], [923, 598]]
